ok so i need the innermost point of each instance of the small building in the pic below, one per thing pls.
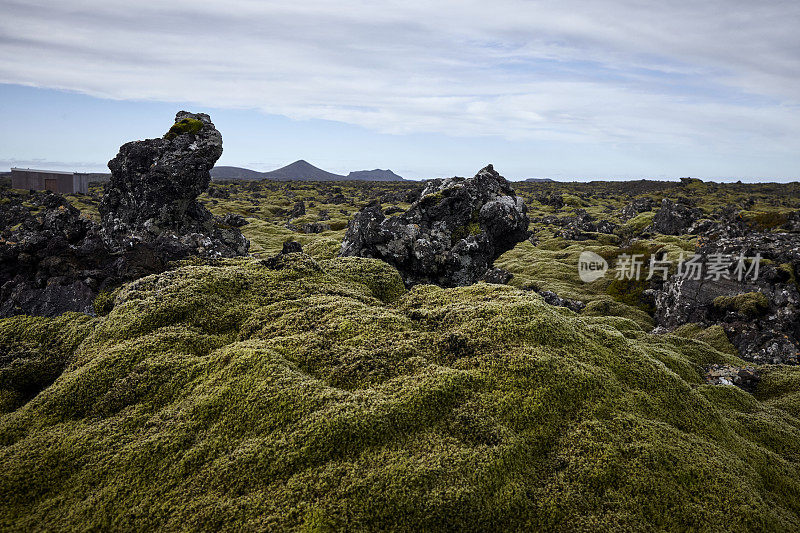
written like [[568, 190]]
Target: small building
[[50, 180]]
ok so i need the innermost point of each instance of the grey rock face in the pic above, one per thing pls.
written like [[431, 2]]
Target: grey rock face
[[767, 333], [578, 226], [291, 247], [235, 220], [152, 194], [675, 218], [550, 198], [315, 227], [450, 236], [55, 260]]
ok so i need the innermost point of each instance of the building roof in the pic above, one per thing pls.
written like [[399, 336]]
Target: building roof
[[45, 171]]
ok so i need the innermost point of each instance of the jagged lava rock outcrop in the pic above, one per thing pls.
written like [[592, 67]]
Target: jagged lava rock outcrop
[[53, 259], [152, 194], [450, 236], [675, 218]]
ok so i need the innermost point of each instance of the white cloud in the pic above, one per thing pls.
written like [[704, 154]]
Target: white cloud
[[720, 73]]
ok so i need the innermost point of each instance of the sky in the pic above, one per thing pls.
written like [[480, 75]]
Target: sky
[[572, 90]]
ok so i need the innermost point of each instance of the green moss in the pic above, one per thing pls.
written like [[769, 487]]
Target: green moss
[[787, 271], [750, 304], [104, 302], [473, 228], [610, 308], [33, 353], [432, 198], [641, 221], [628, 290], [383, 280], [766, 220], [318, 393], [308, 394], [714, 336], [185, 125]]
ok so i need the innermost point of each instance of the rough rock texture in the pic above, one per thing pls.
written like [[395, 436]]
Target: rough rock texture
[[235, 220], [761, 318], [498, 276], [579, 226], [552, 298], [450, 236], [745, 378], [54, 260], [675, 218], [550, 198], [638, 205], [315, 227], [152, 194], [298, 209], [291, 247]]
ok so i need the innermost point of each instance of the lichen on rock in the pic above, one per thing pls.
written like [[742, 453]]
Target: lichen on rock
[[450, 236], [152, 194]]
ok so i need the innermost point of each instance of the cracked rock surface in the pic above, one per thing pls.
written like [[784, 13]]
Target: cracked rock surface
[[450, 236]]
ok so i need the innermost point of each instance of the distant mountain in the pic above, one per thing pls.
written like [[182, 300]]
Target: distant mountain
[[374, 175], [235, 173], [300, 171], [540, 180]]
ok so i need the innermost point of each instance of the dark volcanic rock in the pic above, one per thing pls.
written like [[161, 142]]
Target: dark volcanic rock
[[298, 210], [552, 298], [291, 247], [761, 317], [578, 227], [745, 378], [152, 194], [550, 198], [235, 220], [639, 205], [499, 276], [315, 227], [450, 236], [675, 218], [54, 260]]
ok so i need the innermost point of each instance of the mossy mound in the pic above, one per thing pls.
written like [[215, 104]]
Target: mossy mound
[[185, 125], [748, 305], [715, 336], [298, 394]]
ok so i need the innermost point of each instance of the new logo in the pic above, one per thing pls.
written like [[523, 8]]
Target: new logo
[[591, 266]]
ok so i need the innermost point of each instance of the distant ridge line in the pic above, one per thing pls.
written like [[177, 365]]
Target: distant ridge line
[[300, 170]]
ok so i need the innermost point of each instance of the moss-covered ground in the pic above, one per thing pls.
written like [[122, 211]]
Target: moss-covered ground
[[319, 394], [323, 395]]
